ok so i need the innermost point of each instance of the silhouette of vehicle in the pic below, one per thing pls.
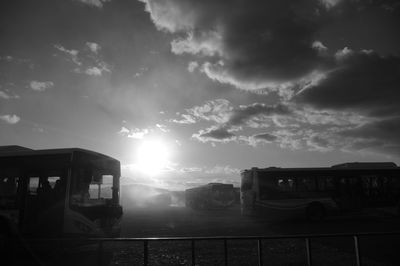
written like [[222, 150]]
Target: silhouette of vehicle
[[284, 193], [60, 192], [159, 200], [210, 196]]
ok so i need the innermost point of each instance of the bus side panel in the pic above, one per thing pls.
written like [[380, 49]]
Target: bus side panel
[[286, 209], [280, 195]]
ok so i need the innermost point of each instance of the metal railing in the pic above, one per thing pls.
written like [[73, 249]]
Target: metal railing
[[225, 239]]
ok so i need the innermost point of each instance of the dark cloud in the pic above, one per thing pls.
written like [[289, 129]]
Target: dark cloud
[[214, 134], [352, 7], [363, 144], [266, 136], [319, 143], [374, 136], [275, 45], [245, 113], [272, 39], [228, 120], [223, 113], [250, 46], [387, 131], [218, 110], [363, 81], [95, 3], [295, 127]]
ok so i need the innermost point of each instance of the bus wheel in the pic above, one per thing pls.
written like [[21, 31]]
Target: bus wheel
[[315, 212]]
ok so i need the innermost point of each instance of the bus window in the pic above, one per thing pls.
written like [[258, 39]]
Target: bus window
[[268, 188], [33, 185], [91, 187], [8, 192], [285, 183], [325, 183], [106, 188], [53, 180], [370, 186], [272, 187], [379, 188], [306, 184], [8, 186], [393, 187], [80, 187], [102, 188]]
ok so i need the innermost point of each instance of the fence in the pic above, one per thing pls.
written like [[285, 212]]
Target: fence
[[192, 240]]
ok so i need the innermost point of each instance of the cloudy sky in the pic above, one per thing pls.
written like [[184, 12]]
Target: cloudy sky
[[185, 92]]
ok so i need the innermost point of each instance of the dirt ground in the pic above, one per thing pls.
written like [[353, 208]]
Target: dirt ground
[[181, 221]]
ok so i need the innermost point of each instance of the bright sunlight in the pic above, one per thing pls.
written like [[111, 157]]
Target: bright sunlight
[[152, 157]]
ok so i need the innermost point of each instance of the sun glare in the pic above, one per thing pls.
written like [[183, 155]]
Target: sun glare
[[152, 157]]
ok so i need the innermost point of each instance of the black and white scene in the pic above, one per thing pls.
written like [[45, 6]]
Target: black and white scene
[[199, 132]]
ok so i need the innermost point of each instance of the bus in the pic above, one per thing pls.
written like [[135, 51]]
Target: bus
[[60, 192], [285, 193], [210, 196]]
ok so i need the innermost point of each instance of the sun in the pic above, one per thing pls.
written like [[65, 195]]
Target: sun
[[152, 156]]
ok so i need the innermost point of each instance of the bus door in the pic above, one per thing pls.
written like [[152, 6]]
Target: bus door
[[10, 196], [44, 206], [31, 208]]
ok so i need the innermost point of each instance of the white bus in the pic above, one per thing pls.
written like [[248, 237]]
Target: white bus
[[60, 192], [210, 196], [284, 193]]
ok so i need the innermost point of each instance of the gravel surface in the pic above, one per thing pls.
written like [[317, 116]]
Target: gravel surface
[[177, 221]]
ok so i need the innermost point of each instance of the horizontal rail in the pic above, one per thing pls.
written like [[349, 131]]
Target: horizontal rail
[[183, 238]]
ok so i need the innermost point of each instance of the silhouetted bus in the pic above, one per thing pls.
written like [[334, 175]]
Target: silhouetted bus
[[60, 192], [210, 196], [282, 193]]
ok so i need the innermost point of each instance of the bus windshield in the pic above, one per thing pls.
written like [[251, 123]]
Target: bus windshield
[[94, 190], [94, 183], [94, 186]]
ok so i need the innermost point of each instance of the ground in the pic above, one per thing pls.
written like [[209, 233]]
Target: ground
[[180, 221]]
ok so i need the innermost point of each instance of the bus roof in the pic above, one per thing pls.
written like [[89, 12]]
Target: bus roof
[[338, 167], [210, 185], [369, 165], [15, 150]]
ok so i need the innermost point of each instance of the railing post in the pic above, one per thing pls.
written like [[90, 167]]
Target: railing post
[[357, 250], [260, 262], [226, 252], [100, 253], [308, 252], [145, 252], [193, 254]]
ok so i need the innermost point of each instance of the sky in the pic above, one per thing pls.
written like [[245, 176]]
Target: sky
[[186, 92]]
